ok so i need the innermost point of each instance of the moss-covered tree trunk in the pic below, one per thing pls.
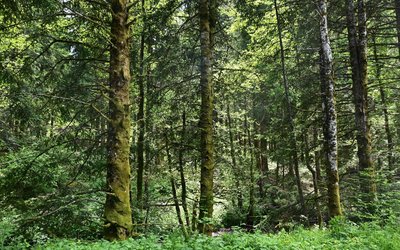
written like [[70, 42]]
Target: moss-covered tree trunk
[[118, 220], [206, 121], [329, 114], [358, 59]]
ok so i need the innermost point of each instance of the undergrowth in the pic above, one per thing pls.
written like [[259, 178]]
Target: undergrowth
[[340, 235]]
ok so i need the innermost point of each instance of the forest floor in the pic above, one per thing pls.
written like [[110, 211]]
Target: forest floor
[[343, 235]]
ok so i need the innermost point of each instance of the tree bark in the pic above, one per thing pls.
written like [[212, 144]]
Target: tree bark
[[329, 113], [118, 220], [358, 58], [140, 123], [206, 121]]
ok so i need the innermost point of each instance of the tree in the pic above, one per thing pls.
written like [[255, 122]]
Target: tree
[[207, 28], [118, 216], [358, 59], [290, 114], [329, 113]]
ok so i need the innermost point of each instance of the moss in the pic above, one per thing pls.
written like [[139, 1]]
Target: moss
[[118, 220]]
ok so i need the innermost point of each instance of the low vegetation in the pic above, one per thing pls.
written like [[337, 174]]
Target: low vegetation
[[341, 235]]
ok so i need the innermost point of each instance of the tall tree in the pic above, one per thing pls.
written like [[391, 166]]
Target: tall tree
[[293, 143], [329, 113], [207, 27], [358, 59], [141, 118], [118, 220]]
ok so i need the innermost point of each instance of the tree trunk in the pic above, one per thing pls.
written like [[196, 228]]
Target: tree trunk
[[181, 171], [317, 159], [329, 113], [358, 58], [277, 179], [140, 123], [235, 168], [206, 121], [250, 214], [118, 220], [397, 10], [194, 215], [261, 147], [173, 189], [384, 110], [315, 180], [290, 113]]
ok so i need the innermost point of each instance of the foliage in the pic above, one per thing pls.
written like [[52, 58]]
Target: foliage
[[341, 235]]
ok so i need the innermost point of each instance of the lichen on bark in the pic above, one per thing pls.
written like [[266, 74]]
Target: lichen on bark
[[329, 113]]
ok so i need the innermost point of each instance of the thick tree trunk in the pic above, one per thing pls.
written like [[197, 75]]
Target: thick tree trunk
[[329, 113], [118, 220], [206, 121], [358, 58], [293, 145]]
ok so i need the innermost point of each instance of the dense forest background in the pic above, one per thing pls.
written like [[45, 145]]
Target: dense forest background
[[113, 111]]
